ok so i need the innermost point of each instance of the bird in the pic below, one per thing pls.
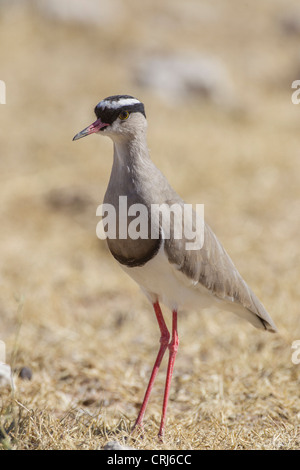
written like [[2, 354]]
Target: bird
[[167, 271]]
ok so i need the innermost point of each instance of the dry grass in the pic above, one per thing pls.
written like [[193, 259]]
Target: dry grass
[[67, 310]]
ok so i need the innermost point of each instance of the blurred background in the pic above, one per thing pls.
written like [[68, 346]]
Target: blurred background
[[215, 78]]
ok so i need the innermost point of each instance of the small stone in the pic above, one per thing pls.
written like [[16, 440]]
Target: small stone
[[114, 445], [25, 373], [290, 22]]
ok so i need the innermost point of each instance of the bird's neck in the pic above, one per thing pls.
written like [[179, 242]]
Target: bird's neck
[[130, 151], [131, 165], [135, 175]]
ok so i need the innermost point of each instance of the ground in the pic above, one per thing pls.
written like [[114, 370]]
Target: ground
[[67, 311]]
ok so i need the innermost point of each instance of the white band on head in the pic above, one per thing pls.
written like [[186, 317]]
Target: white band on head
[[117, 104]]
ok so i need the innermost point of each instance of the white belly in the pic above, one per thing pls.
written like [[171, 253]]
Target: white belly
[[160, 281]]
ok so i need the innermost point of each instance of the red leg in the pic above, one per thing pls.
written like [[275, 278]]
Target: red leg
[[173, 347], [164, 341]]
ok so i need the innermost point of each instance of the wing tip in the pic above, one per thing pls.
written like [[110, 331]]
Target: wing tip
[[268, 326]]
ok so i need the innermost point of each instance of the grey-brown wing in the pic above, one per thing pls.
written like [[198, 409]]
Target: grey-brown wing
[[211, 267]]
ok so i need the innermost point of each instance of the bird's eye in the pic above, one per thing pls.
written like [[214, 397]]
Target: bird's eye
[[124, 115]]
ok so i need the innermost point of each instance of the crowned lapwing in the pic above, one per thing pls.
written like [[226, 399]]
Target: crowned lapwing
[[163, 265]]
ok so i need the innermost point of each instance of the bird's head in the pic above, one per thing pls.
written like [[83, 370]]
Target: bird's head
[[117, 116]]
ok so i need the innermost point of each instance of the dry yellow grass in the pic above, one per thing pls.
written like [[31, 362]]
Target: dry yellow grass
[[66, 309]]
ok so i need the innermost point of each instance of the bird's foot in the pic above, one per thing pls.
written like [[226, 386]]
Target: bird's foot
[[138, 429]]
